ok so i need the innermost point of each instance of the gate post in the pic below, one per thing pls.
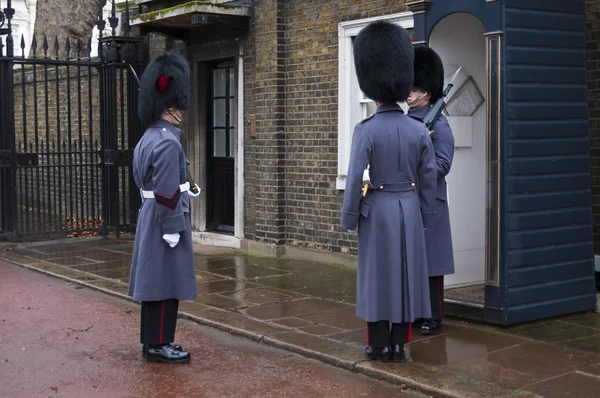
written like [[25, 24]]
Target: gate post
[[121, 60], [8, 161], [119, 56]]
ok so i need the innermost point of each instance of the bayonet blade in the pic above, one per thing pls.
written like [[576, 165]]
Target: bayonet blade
[[135, 74], [451, 83], [455, 75]]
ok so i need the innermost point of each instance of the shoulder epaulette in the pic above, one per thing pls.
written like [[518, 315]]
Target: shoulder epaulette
[[367, 118]]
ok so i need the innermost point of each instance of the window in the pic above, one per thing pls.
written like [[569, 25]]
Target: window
[[353, 106]]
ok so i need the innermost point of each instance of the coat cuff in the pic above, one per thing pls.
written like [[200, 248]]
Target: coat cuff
[[427, 218], [172, 224], [349, 220]]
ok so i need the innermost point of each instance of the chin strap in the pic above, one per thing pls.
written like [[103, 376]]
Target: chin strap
[[174, 114], [419, 98]]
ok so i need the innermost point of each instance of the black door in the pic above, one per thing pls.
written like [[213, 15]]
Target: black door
[[221, 146]]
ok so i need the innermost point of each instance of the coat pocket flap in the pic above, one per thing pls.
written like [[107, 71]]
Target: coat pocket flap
[[364, 209]]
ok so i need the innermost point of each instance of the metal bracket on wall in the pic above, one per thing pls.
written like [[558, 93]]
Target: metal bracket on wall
[[252, 125]]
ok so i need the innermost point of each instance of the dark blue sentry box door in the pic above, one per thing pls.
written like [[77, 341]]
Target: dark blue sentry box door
[[540, 259]]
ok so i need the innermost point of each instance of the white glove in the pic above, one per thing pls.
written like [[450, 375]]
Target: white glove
[[193, 195], [171, 239]]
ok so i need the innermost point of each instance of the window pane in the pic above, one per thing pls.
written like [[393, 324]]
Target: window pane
[[231, 143], [231, 112], [219, 112], [219, 142], [231, 81], [371, 108], [219, 82]]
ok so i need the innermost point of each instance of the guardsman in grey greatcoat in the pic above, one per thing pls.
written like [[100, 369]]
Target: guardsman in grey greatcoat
[[392, 284], [427, 89], [162, 270]]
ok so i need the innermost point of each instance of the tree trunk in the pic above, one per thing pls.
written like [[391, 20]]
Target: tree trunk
[[62, 19]]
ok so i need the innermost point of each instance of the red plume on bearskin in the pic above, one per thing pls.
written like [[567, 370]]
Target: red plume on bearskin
[[162, 83]]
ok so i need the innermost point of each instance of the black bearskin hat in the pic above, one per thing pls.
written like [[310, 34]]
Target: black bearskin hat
[[429, 72], [384, 60], [165, 83]]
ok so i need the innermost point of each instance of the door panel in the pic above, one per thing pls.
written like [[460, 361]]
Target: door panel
[[221, 138]]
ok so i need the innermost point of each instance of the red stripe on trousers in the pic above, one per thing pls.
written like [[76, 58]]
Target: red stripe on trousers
[[162, 318], [409, 332], [368, 337]]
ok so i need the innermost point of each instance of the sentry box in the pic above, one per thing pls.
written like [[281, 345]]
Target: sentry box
[[520, 185]]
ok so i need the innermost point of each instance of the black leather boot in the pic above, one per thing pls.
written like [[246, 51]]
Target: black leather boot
[[165, 353], [381, 354], [175, 346], [398, 353], [431, 327]]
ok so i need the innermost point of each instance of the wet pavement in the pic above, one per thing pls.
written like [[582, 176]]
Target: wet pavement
[[308, 308], [59, 340]]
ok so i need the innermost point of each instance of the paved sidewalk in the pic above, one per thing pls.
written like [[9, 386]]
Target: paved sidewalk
[[59, 340], [308, 308]]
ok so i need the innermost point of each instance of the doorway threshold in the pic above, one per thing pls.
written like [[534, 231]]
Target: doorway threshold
[[216, 239], [467, 302], [473, 295]]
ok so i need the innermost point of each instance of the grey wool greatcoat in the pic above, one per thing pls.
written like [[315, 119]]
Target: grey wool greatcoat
[[392, 281], [438, 238], [159, 272]]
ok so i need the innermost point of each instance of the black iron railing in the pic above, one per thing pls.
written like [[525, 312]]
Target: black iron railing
[[68, 124]]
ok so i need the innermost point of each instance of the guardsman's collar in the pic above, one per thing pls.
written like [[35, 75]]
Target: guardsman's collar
[[163, 124], [389, 108], [420, 111]]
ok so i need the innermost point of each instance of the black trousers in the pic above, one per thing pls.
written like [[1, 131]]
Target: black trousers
[[436, 295], [379, 334], [159, 319]]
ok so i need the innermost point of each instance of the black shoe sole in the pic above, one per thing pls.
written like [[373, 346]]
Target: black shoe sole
[[168, 361], [429, 332], [378, 358]]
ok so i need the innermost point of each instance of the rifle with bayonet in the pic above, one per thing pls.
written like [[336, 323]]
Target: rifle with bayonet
[[436, 110], [193, 187]]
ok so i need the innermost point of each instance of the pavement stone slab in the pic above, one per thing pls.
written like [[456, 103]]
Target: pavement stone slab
[[553, 332], [292, 308], [435, 381], [251, 272], [263, 295], [573, 384], [590, 320], [459, 345], [222, 286], [344, 318], [316, 347], [219, 301]]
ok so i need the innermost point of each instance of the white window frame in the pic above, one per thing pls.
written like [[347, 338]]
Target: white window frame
[[352, 105]]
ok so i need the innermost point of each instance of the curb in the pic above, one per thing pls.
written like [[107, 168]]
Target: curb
[[355, 367]]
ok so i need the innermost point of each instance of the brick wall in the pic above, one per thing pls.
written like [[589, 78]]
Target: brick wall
[[265, 86], [593, 53], [313, 202]]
